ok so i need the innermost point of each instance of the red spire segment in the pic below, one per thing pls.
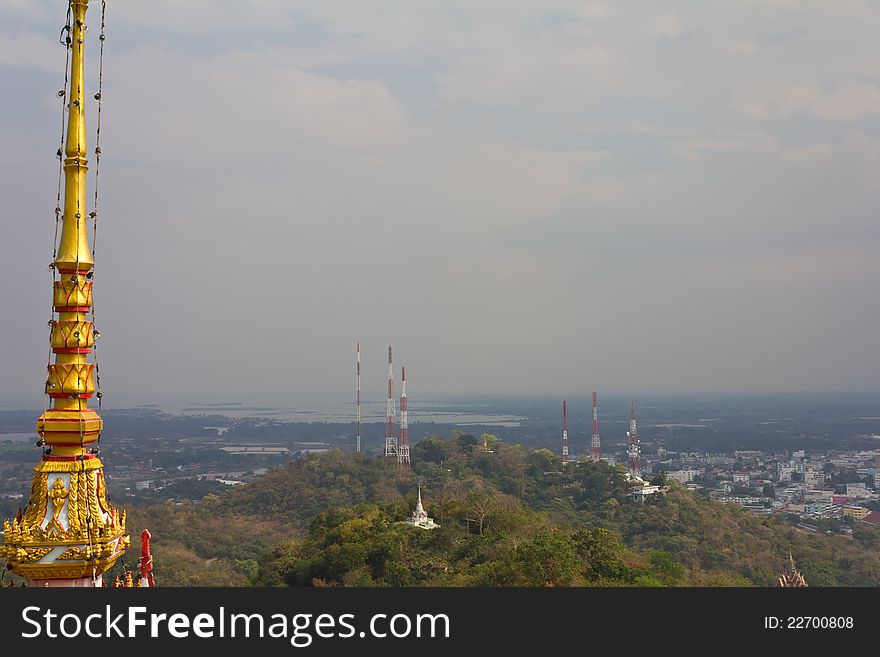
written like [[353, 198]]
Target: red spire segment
[[145, 563]]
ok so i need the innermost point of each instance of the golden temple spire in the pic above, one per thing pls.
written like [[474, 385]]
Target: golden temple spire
[[74, 256], [70, 425], [69, 534]]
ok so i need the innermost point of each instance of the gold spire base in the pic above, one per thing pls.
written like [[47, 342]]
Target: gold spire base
[[68, 530]]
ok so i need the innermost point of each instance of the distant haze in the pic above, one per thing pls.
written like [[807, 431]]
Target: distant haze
[[553, 196]]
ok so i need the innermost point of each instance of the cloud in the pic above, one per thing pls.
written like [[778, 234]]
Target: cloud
[[847, 101], [811, 153], [31, 51], [696, 146], [456, 176]]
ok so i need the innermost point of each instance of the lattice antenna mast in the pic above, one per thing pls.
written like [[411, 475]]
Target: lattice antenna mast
[[634, 451], [358, 421], [565, 456], [596, 451], [390, 439], [403, 444]]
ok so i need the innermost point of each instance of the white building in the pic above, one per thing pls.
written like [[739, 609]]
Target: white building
[[823, 496], [813, 477], [640, 493], [858, 490], [419, 518], [683, 476], [791, 493], [784, 471]]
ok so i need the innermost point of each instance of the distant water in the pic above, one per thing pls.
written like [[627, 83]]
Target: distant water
[[670, 412], [18, 437], [344, 412]]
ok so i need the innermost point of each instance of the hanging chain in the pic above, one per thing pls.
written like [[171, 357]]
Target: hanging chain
[[65, 41], [94, 213], [99, 97]]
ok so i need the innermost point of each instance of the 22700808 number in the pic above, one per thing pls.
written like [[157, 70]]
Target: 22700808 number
[[809, 622]]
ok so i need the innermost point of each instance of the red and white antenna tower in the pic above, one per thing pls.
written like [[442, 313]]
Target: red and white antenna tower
[[565, 457], [390, 440], [357, 446], [633, 433], [597, 453], [403, 444]]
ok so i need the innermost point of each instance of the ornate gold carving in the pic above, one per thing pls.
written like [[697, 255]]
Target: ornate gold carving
[[73, 526], [102, 492], [71, 378], [36, 506], [23, 555], [64, 570], [84, 553], [76, 553], [94, 511], [35, 554], [57, 496], [72, 293], [69, 466], [69, 334]]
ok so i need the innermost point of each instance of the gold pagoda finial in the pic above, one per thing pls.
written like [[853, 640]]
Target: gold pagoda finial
[[68, 505], [70, 425], [74, 256]]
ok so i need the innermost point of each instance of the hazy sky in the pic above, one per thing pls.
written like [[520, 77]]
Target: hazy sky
[[543, 196]]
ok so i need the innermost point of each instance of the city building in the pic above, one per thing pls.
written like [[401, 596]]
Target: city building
[[853, 511], [820, 509], [640, 493], [859, 490], [683, 476], [813, 477], [784, 471]]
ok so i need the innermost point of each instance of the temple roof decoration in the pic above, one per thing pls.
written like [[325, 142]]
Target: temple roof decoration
[[69, 534], [791, 576]]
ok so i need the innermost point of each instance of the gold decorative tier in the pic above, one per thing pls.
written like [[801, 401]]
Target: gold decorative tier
[[72, 334], [69, 427], [72, 292], [70, 379], [67, 508]]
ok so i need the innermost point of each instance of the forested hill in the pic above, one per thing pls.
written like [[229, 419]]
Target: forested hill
[[509, 516]]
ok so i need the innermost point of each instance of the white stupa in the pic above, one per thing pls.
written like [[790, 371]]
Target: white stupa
[[420, 518]]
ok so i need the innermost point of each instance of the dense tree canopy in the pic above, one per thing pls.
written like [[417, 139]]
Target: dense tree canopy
[[509, 516]]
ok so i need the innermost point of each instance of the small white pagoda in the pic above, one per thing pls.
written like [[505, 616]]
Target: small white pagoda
[[419, 518]]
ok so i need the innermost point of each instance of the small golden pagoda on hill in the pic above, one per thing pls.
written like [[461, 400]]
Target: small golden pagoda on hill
[[791, 576]]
